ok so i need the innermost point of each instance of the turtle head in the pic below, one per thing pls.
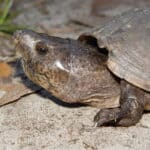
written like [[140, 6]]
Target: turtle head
[[41, 54]]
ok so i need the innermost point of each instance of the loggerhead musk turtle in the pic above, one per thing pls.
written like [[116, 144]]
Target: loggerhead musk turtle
[[108, 67]]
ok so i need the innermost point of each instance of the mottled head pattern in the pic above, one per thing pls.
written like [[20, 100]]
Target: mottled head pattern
[[42, 56]]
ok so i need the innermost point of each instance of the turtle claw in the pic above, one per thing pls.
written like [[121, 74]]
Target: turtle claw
[[106, 117]]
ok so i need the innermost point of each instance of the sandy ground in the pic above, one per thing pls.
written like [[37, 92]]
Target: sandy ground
[[38, 123]]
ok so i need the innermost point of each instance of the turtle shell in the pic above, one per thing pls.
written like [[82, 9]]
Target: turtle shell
[[127, 39]]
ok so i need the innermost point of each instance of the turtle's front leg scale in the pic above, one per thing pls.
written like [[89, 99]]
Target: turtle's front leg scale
[[130, 111]]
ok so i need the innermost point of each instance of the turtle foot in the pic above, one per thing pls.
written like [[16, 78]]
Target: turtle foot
[[129, 114]]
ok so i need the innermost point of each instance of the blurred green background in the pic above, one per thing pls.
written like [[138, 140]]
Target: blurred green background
[[6, 17]]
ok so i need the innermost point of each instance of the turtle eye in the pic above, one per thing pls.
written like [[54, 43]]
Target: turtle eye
[[41, 48]]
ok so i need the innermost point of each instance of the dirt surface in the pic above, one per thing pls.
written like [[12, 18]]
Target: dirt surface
[[38, 121]]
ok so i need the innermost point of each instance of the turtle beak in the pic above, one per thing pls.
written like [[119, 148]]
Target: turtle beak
[[19, 35], [25, 41], [25, 38]]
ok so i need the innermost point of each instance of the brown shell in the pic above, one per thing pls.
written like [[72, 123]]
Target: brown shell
[[127, 38]]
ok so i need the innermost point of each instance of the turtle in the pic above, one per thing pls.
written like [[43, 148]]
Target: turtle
[[107, 67]]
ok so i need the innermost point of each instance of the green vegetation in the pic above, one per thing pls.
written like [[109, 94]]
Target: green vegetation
[[6, 24], [8, 4]]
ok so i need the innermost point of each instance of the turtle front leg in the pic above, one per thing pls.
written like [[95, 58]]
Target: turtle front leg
[[130, 111]]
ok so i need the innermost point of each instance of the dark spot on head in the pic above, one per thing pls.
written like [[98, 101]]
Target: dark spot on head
[[41, 48]]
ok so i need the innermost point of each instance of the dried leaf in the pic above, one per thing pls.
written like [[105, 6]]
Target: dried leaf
[[5, 70]]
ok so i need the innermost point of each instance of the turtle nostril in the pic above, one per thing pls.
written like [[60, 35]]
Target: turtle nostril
[[17, 34]]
